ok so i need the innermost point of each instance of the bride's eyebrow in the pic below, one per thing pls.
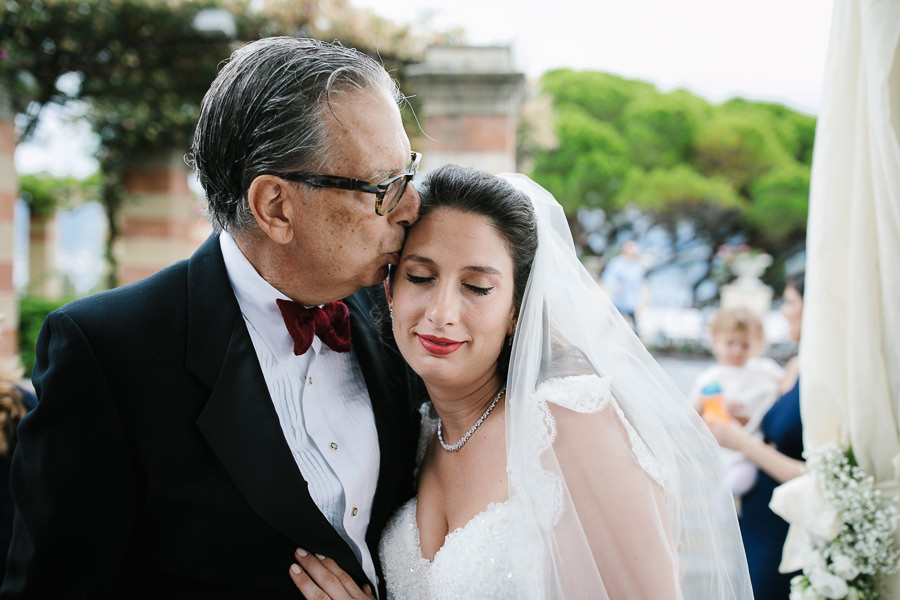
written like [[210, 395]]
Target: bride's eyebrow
[[418, 259], [485, 270], [424, 260]]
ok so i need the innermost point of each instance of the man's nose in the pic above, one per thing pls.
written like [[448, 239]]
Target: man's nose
[[407, 211]]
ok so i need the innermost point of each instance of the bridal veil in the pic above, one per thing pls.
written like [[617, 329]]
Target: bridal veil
[[617, 471]]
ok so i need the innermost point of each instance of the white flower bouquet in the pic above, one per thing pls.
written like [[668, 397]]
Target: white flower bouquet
[[847, 565]]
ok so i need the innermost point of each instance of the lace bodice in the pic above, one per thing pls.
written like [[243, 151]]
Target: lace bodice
[[497, 554]]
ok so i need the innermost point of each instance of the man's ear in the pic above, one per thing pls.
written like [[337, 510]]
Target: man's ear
[[270, 199]]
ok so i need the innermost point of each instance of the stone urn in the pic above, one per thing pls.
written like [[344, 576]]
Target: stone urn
[[747, 290], [749, 268]]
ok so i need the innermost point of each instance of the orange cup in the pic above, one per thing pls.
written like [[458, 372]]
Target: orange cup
[[714, 403], [714, 408]]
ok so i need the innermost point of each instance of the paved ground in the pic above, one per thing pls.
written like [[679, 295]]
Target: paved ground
[[684, 371]]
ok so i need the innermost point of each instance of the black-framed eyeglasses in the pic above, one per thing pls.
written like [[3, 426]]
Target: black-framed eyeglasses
[[387, 193]]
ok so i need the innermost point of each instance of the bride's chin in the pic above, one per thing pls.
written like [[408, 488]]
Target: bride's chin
[[439, 375]]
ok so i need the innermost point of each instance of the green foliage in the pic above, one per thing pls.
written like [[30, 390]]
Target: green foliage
[[672, 196], [601, 95], [44, 192], [677, 189], [662, 128], [32, 312], [739, 146], [795, 131], [141, 56], [589, 169], [739, 170], [780, 203]]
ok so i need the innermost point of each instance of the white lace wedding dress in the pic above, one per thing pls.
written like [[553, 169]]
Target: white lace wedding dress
[[497, 554]]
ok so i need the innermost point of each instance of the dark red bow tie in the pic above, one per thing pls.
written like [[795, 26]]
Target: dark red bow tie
[[330, 322]]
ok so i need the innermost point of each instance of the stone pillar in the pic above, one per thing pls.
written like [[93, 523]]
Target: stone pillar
[[161, 219], [9, 191], [43, 271], [470, 102]]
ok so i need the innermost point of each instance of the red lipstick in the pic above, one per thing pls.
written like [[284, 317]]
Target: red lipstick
[[438, 345]]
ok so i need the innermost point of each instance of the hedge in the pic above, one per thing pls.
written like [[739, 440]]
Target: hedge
[[32, 312]]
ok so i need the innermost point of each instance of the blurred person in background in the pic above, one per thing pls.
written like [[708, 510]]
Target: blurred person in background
[[623, 279]]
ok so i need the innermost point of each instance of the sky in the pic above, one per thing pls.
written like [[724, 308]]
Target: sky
[[771, 50]]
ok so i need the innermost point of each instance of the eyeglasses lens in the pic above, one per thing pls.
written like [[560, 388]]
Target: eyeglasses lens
[[392, 195]]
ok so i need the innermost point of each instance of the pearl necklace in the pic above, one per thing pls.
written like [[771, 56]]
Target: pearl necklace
[[462, 442]]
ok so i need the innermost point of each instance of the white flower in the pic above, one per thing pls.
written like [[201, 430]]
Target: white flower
[[828, 585], [804, 593], [861, 550], [843, 566]]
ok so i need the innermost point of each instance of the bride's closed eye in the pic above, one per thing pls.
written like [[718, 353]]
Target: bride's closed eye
[[481, 291], [419, 280]]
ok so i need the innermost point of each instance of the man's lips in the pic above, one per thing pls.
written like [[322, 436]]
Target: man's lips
[[438, 345]]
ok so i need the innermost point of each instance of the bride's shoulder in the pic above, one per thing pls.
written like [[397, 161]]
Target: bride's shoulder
[[581, 393]]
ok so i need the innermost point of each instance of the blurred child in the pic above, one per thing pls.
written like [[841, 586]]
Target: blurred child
[[745, 383]]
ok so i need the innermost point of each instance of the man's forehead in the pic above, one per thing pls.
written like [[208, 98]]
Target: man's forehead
[[367, 135]]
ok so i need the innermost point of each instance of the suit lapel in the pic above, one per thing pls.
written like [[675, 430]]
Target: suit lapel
[[239, 421]]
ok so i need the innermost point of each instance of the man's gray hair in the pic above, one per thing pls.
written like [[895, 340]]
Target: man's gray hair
[[264, 114]]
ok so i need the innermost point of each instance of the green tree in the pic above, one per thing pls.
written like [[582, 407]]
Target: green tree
[[661, 129], [737, 145], [588, 170], [44, 193], [780, 205], [601, 95], [796, 131], [679, 195], [734, 172]]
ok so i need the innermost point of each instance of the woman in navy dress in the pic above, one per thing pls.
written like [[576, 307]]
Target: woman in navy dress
[[779, 458]]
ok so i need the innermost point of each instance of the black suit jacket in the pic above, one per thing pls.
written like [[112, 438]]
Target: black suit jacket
[[154, 464]]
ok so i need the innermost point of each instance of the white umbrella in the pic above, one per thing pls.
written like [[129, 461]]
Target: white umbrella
[[850, 356]]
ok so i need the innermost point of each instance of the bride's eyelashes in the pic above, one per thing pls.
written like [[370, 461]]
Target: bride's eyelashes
[[481, 291], [418, 280]]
